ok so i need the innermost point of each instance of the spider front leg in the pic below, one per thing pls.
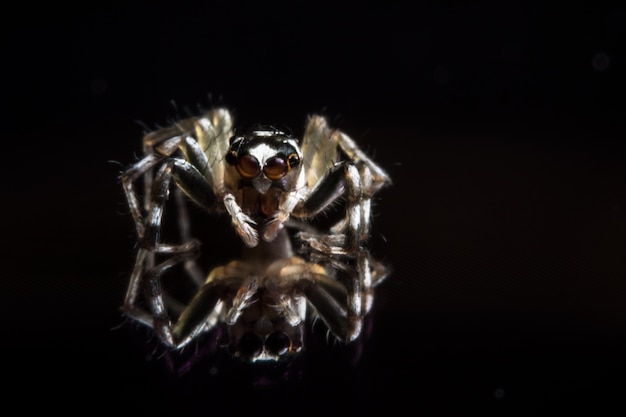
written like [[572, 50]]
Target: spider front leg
[[142, 169], [145, 282], [145, 273], [332, 301], [346, 240], [350, 232], [233, 282]]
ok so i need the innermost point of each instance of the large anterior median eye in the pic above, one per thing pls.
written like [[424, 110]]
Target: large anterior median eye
[[248, 166], [275, 168]]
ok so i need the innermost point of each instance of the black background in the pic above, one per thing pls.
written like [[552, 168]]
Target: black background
[[501, 124]]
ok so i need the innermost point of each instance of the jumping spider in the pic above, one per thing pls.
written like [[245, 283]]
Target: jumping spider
[[271, 186]]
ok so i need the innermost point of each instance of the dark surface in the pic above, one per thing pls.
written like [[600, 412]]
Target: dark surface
[[502, 127]]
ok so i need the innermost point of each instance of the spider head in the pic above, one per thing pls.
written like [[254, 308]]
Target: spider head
[[265, 157], [262, 333]]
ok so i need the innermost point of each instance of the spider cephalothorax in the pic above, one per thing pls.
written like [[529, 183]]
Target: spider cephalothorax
[[262, 165], [271, 186], [265, 157]]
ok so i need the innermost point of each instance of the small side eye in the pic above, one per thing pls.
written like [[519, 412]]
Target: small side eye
[[248, 166], [275, 168], [293, 160], [231, 158]]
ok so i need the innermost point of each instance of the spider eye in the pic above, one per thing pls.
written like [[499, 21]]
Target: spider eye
[[293, 160], [278, 343], [231, 157], [250, 345], [275, 168], [248, 166]]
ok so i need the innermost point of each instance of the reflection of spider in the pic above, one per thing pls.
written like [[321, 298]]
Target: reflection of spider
[[267, 183]]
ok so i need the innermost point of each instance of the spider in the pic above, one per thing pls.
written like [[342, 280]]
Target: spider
[[271, 186]]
